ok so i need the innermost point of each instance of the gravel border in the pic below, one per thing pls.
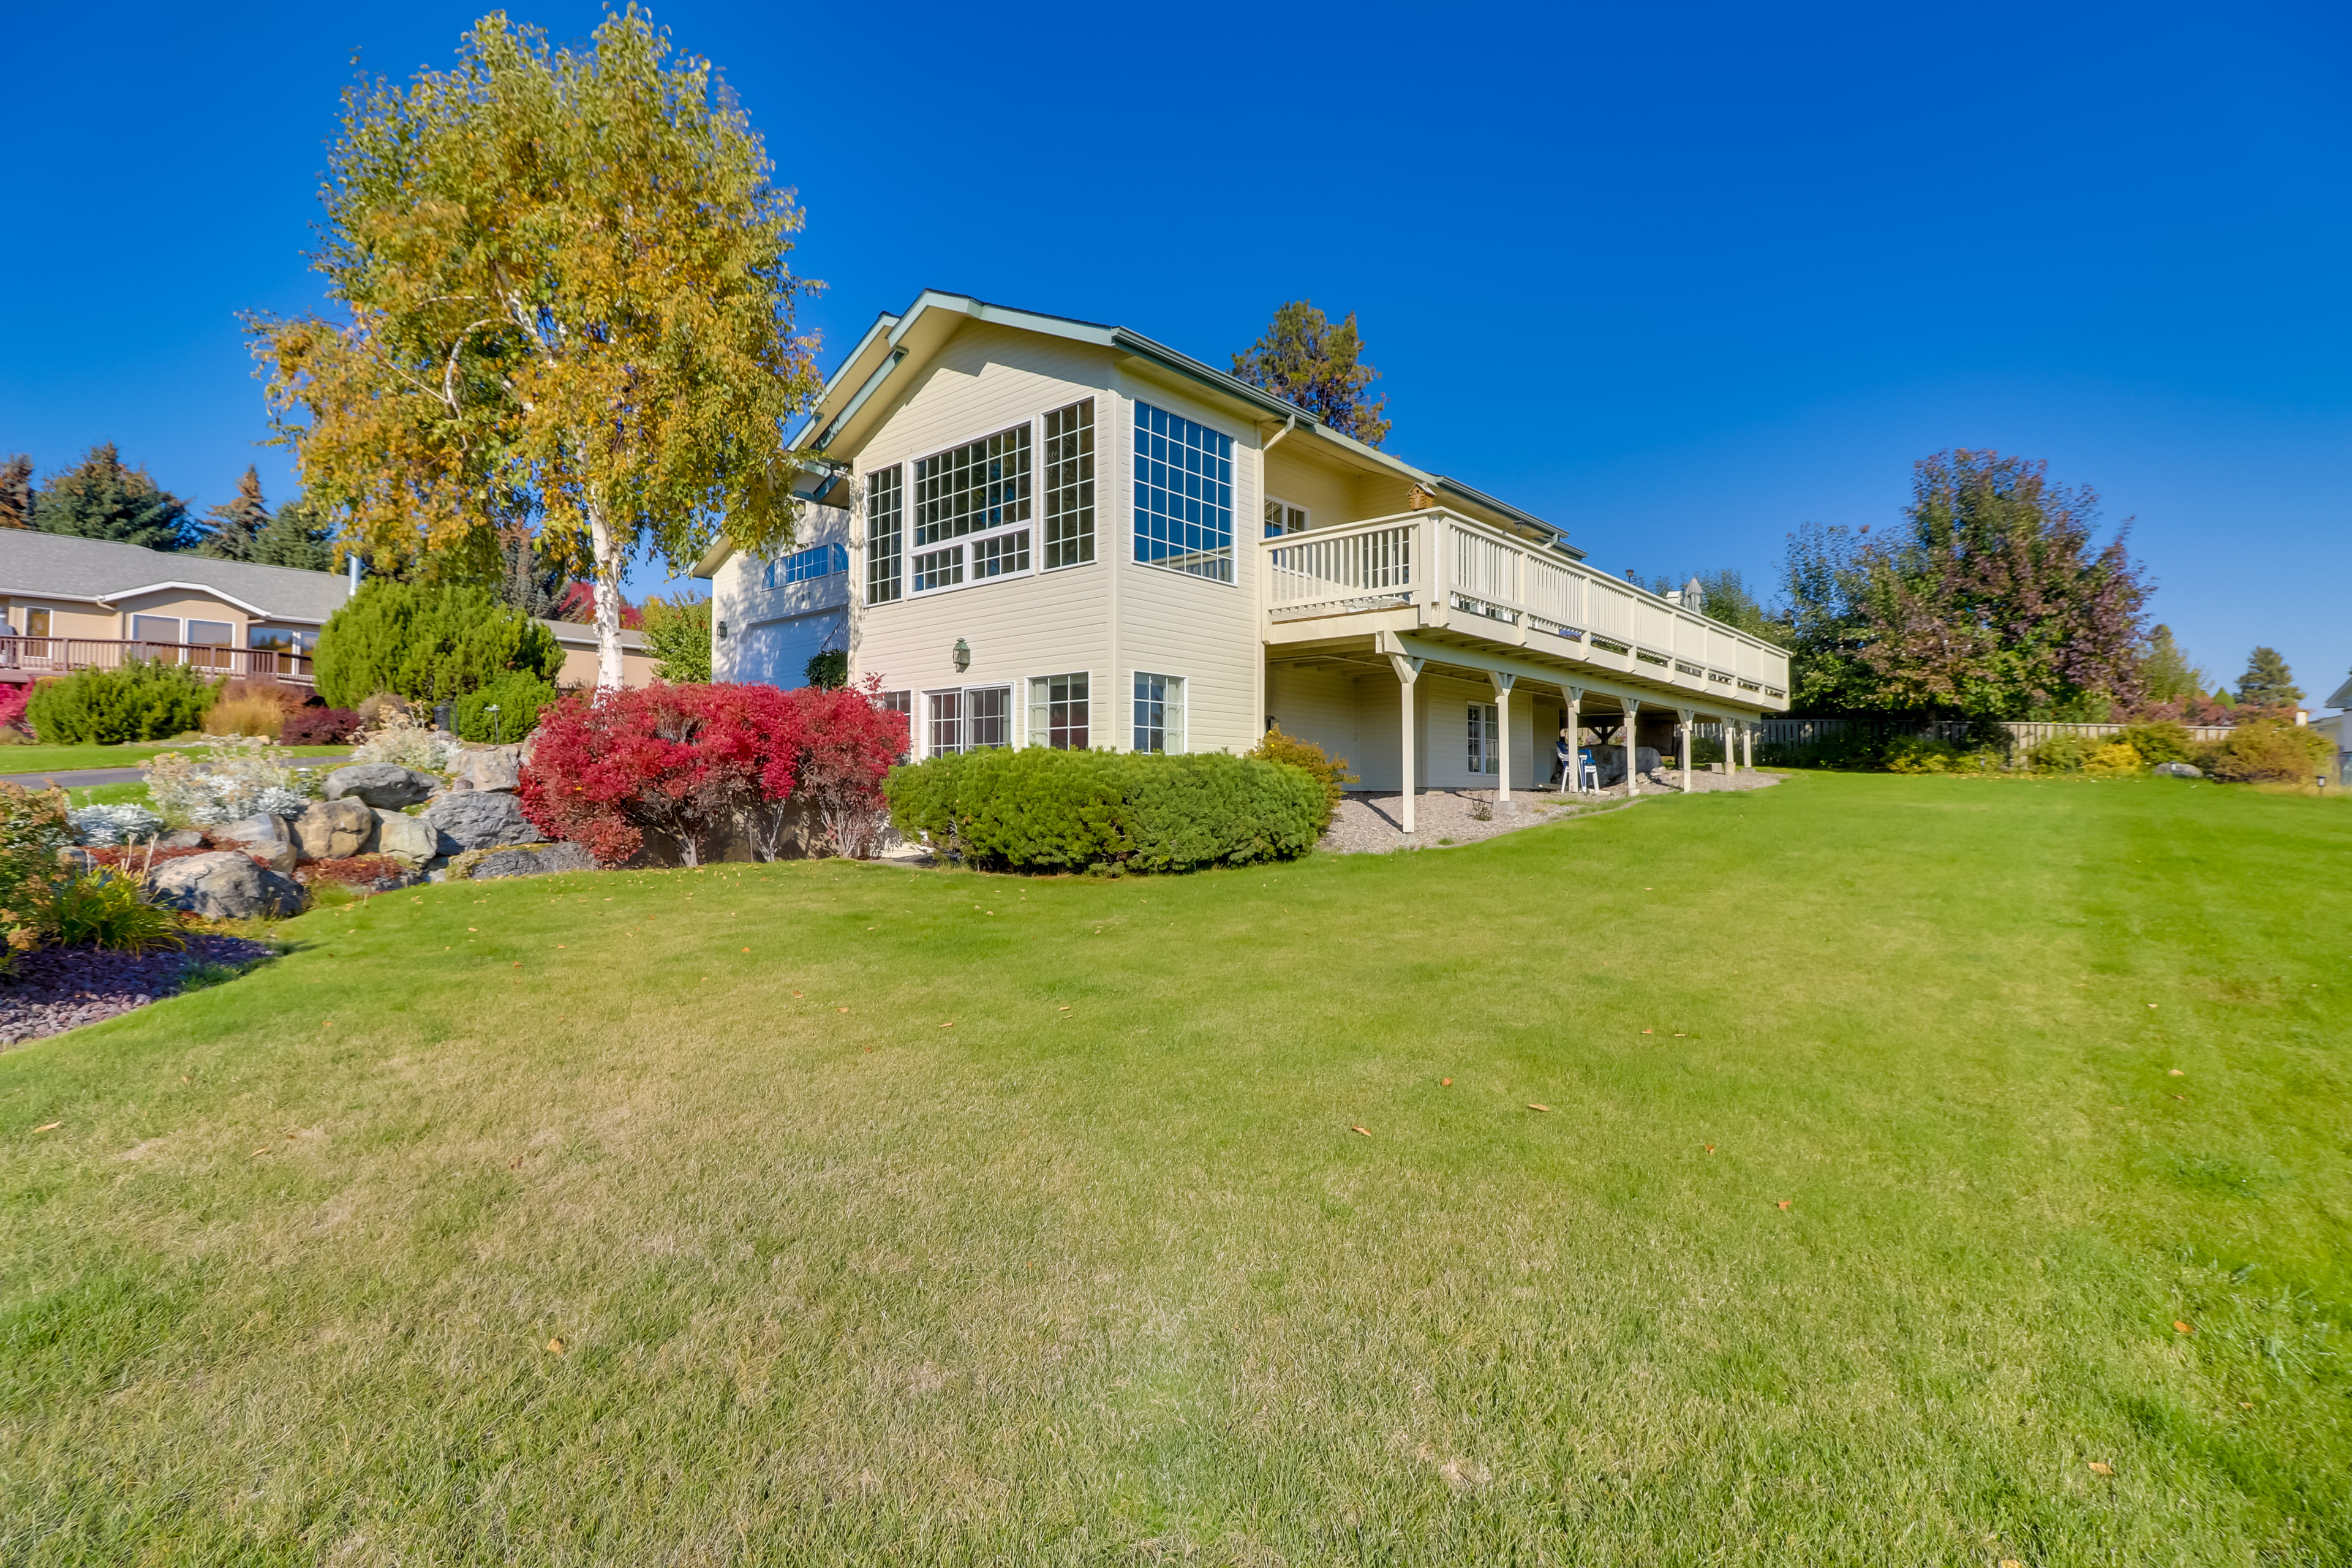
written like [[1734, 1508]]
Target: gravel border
[[61, 988], [1369, 822]]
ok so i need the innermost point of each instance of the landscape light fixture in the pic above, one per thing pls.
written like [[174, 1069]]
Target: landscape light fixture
[[962, 654]]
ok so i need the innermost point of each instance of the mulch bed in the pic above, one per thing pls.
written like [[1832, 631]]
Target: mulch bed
[[62, 988]]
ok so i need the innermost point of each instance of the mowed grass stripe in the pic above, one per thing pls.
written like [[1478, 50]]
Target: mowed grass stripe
[[1120, 1282]]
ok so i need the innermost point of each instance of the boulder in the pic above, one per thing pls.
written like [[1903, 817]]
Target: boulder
[[479, 819], [2177, 770], [492, 767], [408, 839], [332, 829], [223, 886], [520, 860], [385, 784], [182, 839], [265, 838]]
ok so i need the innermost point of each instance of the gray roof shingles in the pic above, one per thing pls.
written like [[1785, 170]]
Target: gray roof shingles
[[33, 563]]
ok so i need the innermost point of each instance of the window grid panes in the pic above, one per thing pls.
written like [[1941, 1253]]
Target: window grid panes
[[1282, 518], [1058, 712], [885, 500], [1070, 485], [988, 716], [980, 485], [808, 566], [1159, 713], [944, 710], [939, 569], [1483, 739], [1000, 554], [1183, 495]]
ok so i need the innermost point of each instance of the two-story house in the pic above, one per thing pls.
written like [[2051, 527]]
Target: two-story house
[[1044, 532]]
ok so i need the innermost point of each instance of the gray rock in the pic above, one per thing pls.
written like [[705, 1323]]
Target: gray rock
[[223, 886], [385, 784], [479, 819], [332, 829], [408, 839], [182, 839], [265, 838], [492, 767], [527, 860], [2177, 770]]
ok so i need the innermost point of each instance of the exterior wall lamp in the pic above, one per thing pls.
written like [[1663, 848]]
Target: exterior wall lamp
[[962, 654]]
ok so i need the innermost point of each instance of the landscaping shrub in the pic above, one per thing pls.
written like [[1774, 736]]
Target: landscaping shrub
[[33, 827], [2269, 751], [1040, 810], [354, 870], [2160, 742], [684, 764], [677, 637], [319, 727], [1328, 771], [2112, 759], [2060, 754], [427, 644], [400, 737], [13, 695], [140, 701], [1917, 754], [849, 743], [106, 909], [120, 823], [226, 784], [245, 716], [519, 696]]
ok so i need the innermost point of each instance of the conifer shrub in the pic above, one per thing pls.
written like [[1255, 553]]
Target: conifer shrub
[[1041, 810], [427, 644], [521, 697], [1329, 772], [139, 701]]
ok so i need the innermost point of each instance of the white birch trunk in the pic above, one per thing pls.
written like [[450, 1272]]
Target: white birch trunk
[[611, 674]]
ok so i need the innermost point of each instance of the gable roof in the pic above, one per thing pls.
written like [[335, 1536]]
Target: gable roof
[[892, 342], [2343, 697], [100, 571]]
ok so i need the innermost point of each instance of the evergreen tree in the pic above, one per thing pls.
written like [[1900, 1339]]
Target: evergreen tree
[[1304, 359], [2267, 683], [534, 580], [2165, 673], [16, 493], [427, 642], [297, 535], [98, 498], [233, 525]]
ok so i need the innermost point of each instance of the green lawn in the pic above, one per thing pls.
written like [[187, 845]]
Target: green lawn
[[69, 759], [1102, 1274]]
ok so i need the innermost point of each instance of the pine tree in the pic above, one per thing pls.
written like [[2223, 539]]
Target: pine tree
[[1304, 359], [2267, 683], [295, 536], [233, 525], [534, 580], [98, 498], [16, 493]]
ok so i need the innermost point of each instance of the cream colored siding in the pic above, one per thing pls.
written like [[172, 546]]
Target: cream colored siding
[[1324, 490], [1321, 705]]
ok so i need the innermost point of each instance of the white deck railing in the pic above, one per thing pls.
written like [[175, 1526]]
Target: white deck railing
[[1448, 562]]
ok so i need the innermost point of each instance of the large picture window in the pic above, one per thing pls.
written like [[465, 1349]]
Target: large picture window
[[977, 492], [886, 502], [1159, 713], [1070, 485], [1183, 495], [808, 566], [1057, 712]]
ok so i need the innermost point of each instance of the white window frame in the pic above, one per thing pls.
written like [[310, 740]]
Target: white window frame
[[1170, 744], [1038, 727], [1482, 729], [1127, 490], [1296, 519], [227, 638], [962, 545], [1095, 524], [964, 695], [132, 633]]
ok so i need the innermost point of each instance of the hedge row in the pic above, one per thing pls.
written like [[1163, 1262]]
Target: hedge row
[[1041, 810]]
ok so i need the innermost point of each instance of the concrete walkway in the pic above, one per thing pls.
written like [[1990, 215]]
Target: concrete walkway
[[74, 778]]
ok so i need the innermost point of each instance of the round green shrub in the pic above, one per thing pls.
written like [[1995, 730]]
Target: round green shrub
[[519, 696], [1041, 810], [140, 701], [427, 644]]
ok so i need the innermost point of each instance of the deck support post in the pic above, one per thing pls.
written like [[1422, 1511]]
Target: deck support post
[[1502, 684], [1632, 746], [1408, 670], [1748, 747], [1682, 744]]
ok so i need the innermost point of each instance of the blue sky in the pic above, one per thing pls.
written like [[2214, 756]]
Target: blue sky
[[1678, 278]]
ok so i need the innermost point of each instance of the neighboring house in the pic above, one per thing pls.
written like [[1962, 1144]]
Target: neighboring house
[[1042, 531], [2339, 729], [73, 604]]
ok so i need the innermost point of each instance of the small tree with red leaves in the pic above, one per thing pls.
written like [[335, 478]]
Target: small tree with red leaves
[[850, 744]]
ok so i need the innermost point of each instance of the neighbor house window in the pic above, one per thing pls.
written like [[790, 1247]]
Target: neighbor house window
[[37, 623], [280, 639], [1057, 712], [1159, 713], [1070, 485], [886, 503], [219, 633], [154, 628], [968, 719], [1484, 740], [1183, 495], [808, 566], [979, 492], [1282, 518]]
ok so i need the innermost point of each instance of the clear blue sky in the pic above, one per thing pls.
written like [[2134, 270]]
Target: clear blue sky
[[1677, 278]]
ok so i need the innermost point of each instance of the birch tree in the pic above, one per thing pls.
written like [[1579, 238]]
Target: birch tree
[[564, 311]]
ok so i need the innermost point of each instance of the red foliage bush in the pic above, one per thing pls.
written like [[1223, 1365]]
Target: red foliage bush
[[135, 856], [14, 696], [690, 763], [319, 727], [577, 604]]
